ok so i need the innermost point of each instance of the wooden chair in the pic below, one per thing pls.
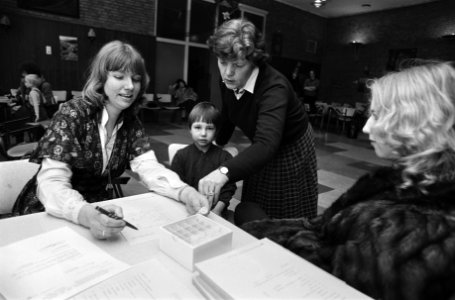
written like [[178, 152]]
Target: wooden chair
[[344, 115], [13, 177]]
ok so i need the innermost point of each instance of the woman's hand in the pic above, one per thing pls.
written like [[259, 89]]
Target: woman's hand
[[219, 208], [101, 226], [211, 185], [194, 201]]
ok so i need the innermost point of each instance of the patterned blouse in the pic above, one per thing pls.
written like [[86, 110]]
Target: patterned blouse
[[73, 138]]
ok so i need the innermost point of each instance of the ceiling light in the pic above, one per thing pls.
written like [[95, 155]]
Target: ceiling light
[[318, 3]]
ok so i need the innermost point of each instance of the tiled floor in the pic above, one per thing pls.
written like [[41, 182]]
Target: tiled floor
[[341, 160]]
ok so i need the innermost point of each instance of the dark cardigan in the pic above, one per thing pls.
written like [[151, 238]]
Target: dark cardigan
[[387, 242]]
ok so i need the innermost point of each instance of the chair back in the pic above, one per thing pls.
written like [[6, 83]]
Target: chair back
[[164, 98], [149, 97], [360, 106], [14, 175], [348, 111], [173, 148], [60, 96], [75, 94]]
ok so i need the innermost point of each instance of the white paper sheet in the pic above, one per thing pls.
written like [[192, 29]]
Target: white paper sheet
[[53, 265], [148, 213], [265, 270], [147, 280]]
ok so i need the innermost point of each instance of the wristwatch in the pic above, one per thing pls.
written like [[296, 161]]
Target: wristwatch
[[224, 170]]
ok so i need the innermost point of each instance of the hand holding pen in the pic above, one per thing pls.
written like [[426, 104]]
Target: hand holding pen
[[114, 216]]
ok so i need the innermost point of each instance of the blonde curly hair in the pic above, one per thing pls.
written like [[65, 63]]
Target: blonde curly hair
[[415, 111]]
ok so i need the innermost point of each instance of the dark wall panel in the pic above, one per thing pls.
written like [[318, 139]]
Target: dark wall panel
[[27, 38]]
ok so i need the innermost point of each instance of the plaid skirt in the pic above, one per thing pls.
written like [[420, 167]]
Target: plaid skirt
[[287, 187]]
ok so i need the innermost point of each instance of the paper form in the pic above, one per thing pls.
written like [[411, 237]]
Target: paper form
[[53, 265], [265, 270], [147, 280], [148, 213]]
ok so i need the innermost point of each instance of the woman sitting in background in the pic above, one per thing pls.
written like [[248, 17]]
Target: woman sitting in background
[[392, 235], [35, 98], [183, 95]]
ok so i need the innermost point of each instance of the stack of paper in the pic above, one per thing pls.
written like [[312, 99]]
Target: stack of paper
[[265, 270]]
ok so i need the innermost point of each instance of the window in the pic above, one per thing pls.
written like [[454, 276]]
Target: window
[[183, 27], [171, 19], [202, 21]]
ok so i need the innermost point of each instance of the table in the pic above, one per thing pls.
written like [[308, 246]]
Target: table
[[5, 108], [18, 228]]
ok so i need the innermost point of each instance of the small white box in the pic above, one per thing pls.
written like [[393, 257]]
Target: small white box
[[194, 239]]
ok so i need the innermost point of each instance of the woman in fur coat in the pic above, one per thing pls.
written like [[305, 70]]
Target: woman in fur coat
[[392, 234]]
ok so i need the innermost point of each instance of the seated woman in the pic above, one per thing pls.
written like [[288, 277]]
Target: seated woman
[[183, 95], [92, 140], [392, 234], [35, 98]]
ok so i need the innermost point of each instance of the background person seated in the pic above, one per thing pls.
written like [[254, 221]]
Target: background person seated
[[184, 96], [35, 98], [44, 86]]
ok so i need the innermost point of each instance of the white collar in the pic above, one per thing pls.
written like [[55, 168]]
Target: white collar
[[249, 85]]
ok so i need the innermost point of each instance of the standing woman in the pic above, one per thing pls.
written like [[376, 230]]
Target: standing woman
[[279, 168], [92, 140]]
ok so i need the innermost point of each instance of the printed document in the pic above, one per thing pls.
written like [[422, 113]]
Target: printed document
[[148, 212], [147, 280], [53, 265]]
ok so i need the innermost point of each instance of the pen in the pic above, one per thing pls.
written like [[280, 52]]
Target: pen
[[114, 216]]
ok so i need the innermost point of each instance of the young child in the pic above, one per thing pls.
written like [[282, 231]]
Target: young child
[[35, 97], [202, 157]]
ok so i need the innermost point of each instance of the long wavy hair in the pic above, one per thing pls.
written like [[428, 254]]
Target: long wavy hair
[[115, 56], [415, 110], [238, 38]]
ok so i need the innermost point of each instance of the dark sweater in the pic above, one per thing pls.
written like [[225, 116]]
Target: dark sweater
[[191, 164], [271, 117]]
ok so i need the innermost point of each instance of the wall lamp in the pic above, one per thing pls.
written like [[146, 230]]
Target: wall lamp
[[91, 34], [5, 21], [356, 46], [450, 36]]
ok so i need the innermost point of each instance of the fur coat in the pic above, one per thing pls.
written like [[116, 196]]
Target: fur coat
[[387, 242]]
